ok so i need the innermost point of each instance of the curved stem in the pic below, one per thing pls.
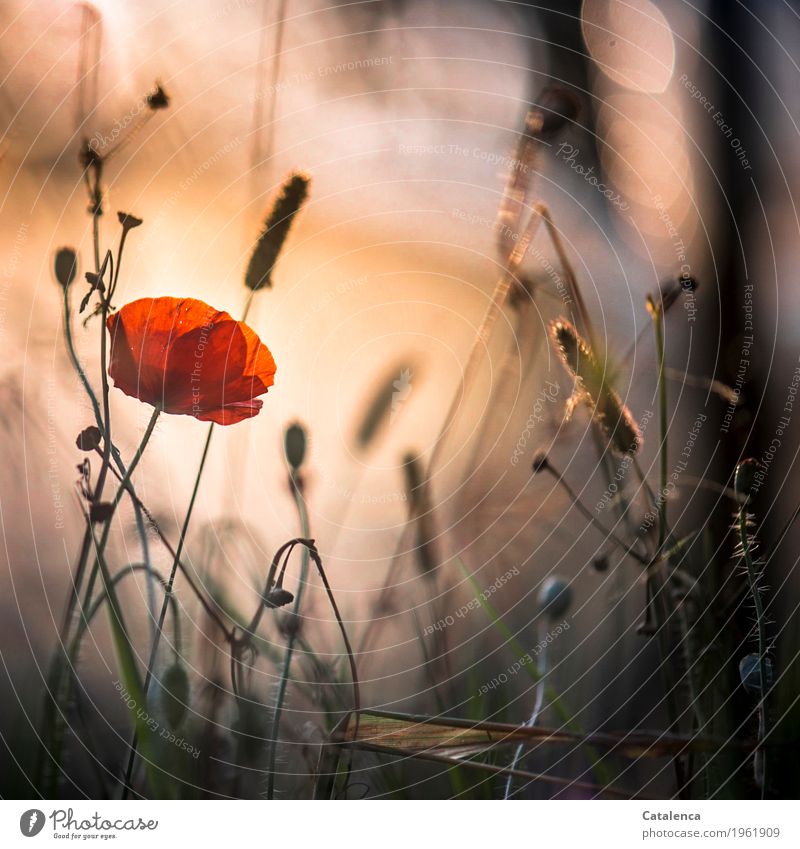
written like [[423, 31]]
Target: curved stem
[[302, 513], [537, 709]]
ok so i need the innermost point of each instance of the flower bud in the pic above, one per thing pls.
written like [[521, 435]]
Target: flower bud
[[539, 463], [555, 597], [158, 99], [65, 266], [89, 438], [278, 597], [294, 445]]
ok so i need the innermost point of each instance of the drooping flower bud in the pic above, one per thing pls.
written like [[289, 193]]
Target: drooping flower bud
[[89, 438], [158, 98], [278, 597]]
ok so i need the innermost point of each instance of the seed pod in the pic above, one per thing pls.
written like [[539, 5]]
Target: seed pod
[[65, 266], [555, 597], [294, 445], [128, 221], [291, 196], [175, 694]]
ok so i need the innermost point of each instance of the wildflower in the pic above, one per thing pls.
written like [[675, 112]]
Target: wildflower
[[189, 359], [291, 197]]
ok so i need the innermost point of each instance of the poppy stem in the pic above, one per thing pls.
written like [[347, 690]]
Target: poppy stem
[[115, 502], [165, 604]]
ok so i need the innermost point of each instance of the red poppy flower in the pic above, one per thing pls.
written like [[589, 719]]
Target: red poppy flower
[[189, 359]]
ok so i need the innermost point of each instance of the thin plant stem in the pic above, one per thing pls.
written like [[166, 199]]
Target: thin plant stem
[[592, 519], [761, 636], [535, 713], [663, 413], [302, 513], [599, 768]]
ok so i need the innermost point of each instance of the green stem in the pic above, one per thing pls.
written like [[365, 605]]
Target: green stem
[[663, 414], [115, 502], [599, 768], [761, 634], [302, 513]]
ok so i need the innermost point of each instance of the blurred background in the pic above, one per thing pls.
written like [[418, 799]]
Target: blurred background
[[406, 114]]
